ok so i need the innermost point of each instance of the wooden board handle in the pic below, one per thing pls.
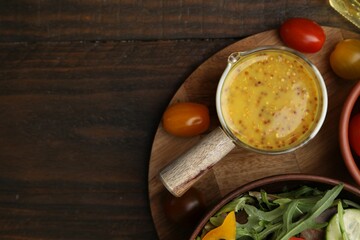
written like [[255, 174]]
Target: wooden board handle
[[181, 174]]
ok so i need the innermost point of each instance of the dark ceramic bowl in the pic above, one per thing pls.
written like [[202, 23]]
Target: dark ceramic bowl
[[351, 106], [277, 184]]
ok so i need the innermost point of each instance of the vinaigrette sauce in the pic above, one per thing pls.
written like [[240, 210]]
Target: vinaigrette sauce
[[270, 100]]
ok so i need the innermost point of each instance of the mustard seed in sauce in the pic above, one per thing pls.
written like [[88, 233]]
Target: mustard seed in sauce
[[278, 102]]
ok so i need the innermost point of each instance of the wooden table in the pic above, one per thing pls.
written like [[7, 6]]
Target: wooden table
[[83, 85]]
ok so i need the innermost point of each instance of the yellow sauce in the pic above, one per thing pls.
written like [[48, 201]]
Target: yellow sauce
[[270, 100]]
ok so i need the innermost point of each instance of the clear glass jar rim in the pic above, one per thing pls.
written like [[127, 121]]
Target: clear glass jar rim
[[281, 49]]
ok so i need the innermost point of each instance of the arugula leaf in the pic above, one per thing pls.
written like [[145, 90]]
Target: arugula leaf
[[289, 214], [265, 199], [309, 221], [352, 204], [236, 205], [341, 221], [302, 191], [280, 216]]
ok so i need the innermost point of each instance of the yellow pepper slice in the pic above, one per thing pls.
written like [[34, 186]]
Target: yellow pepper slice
[[226, 231]]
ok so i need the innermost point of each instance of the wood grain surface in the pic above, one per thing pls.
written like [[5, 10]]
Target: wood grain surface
[[101, 20], [77, 122], [319, 157], [83, 85]]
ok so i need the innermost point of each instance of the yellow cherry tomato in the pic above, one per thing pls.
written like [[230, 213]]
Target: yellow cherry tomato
[[345, 59], [186, 119]]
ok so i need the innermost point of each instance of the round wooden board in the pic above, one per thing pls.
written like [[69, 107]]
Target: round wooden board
[[320, 157]]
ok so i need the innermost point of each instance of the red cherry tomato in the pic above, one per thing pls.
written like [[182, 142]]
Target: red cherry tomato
[[186, 119], [185, 210], [302, 34], [354, 133], [296, 238]]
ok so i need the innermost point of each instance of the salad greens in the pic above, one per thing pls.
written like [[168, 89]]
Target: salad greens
[[280, 216]]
